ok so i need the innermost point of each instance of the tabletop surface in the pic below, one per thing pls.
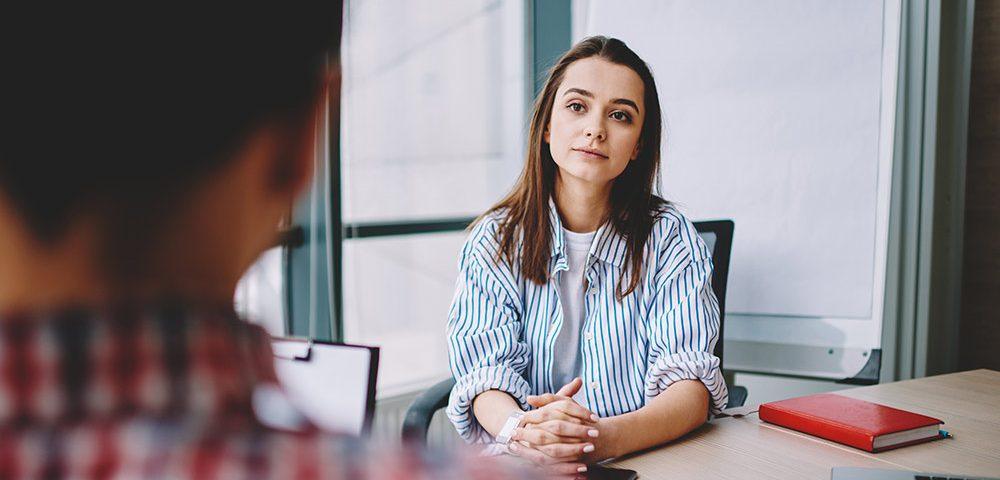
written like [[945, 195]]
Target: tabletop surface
[[967, 402]]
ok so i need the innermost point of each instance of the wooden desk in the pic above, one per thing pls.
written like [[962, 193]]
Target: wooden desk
[[967, 402]]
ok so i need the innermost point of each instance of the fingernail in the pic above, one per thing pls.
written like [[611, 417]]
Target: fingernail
[[588, 448], [582, 469], [593, 433], [593, 417], [512, 446]]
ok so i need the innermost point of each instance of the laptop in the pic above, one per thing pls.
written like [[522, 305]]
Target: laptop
[[856, 473]]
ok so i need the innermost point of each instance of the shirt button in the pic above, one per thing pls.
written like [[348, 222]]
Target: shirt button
[[589, 336], [593, 385]]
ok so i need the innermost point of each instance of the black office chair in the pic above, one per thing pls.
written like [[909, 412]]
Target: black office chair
[[717, 234]]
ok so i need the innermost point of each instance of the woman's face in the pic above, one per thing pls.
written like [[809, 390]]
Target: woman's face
[[596, 120]]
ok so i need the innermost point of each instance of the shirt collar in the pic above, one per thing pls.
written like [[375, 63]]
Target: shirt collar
[[162, 362], [609, 246]]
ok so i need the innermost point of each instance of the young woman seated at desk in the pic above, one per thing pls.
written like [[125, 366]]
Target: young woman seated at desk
[[584, 320]]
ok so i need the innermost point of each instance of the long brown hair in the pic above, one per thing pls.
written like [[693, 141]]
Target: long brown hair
[[633, 206]]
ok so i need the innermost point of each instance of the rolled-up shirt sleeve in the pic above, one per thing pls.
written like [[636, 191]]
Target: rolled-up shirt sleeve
[[683, 326], [485, 349]]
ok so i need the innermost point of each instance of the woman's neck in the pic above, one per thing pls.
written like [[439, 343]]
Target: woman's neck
[[582, 206]]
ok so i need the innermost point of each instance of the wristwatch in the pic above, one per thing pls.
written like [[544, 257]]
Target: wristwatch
[[513, 421]]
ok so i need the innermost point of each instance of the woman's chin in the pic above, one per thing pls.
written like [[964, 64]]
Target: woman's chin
[[590, 175]]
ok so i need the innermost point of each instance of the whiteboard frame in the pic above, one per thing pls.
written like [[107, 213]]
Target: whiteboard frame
[[802, 346], [785, 344]]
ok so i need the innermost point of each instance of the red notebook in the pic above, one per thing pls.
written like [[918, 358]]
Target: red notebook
[[857, 423]]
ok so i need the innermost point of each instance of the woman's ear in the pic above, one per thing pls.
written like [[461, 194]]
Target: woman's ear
[[635, 151], [545, 135]]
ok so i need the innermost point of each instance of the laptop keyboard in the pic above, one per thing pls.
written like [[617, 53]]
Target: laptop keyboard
[[928, 477], [855, 473]]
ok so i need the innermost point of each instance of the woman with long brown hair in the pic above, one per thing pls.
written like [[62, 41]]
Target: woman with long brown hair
[[584, 306]]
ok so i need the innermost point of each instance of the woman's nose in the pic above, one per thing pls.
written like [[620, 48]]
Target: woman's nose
[[595, 131]]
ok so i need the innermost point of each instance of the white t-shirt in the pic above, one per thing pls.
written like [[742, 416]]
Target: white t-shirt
[[566, 354]]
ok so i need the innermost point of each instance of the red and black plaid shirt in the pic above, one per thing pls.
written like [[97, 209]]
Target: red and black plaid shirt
[[164, 393]]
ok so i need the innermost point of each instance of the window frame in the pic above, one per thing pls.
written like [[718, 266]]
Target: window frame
[[317, 313]]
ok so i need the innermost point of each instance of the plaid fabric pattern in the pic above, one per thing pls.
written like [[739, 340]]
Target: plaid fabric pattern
[[168, 393]]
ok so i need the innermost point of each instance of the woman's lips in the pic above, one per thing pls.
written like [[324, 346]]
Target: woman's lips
[[590, 153]]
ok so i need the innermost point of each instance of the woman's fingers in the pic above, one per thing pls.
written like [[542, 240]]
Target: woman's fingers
[[574, 409], [553, 445], [539, 401], [531, 454], [565, 429], [556, 431], [539, 457], [571, 388], [567, 391], [565, 409], [536, 436], [566, 451], [542, 415], [569, 469]]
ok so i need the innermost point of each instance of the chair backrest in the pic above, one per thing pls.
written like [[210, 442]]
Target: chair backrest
[[332, 384], [718, 235]]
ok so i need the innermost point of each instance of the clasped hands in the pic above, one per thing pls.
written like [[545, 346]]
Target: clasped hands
[[559, 435]]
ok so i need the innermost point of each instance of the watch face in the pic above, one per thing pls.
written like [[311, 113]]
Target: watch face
[[508, 428]]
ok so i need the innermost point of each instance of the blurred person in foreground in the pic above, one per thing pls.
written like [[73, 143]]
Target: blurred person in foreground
[[148, 158]]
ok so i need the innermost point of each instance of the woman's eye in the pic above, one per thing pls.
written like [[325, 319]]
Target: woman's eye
[[576, 107], [620, 116]]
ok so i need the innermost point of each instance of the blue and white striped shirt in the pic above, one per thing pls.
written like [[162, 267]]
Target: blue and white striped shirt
[[502, 326]]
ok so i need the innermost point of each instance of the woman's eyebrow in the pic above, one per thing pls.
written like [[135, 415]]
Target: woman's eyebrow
[[625, 101], [619, 101], [580, 91]]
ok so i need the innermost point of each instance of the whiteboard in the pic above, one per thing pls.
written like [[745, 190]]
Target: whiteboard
[[333, 385], [779, 115]]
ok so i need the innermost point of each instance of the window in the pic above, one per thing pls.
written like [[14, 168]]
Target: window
[[433, 116], [433, 106]]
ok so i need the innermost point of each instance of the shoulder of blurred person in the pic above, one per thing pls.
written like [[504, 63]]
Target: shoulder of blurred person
[[174, 392]]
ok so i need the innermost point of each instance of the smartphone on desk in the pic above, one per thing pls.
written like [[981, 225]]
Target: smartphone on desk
[[597, 472]]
